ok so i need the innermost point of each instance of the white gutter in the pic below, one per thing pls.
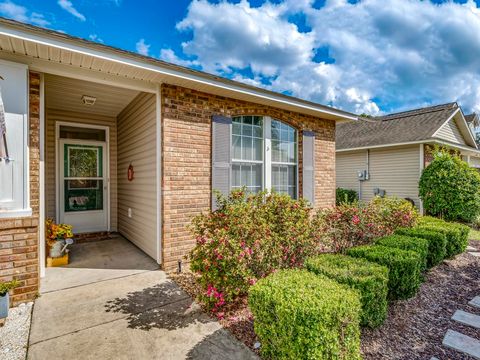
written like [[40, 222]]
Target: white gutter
[[427, 141], [109, 56]]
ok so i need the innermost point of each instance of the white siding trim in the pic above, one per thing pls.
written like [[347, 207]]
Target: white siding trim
[[42, 204], [159, 171], [422, 166]]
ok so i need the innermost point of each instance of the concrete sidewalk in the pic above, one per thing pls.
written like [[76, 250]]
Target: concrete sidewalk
[[143, 315]]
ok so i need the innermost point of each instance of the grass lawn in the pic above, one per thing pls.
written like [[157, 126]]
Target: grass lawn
[[474, 235]]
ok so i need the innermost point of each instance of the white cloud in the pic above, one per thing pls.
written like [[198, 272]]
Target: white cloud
[[169, 56], [68, 7], [21, 13], [142, 47], [94, 37], [389, 54]]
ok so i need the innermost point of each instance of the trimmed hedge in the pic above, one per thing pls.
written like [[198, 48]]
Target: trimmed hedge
[[419, 245], [404, 267], [437, 242], [456, 234], [370, 279], [301, 315]]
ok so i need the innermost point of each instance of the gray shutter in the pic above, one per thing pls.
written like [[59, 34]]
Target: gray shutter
[[309, 166], [221, 155]]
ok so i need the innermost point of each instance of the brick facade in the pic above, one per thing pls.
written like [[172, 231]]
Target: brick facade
[[19, 236], [186, 162], [428, 154]]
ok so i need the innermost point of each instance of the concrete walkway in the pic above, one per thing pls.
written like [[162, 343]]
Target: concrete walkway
[[107, 310]]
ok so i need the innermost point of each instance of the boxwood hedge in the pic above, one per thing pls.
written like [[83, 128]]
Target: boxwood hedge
[[370, 279], [419, 245], [404, 267], [436, 243], [456, 234], [301, 315]]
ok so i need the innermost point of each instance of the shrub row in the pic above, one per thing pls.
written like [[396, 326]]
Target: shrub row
[[300, 315], [418, 245], [456, 234], [371, 280], [404, 267], [436, 243]]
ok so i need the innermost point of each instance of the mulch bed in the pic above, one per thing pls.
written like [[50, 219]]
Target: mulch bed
[[414, 328]]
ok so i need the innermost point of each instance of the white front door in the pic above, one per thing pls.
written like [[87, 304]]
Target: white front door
[[83, 185]]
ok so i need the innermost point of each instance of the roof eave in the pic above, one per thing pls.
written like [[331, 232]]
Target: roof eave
[[84, 47]]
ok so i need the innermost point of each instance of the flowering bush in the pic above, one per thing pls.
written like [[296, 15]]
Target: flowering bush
[[247, 238], [57, 231], [347, 225]]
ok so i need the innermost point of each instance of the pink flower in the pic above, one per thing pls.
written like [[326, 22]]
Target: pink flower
[[356, 219]]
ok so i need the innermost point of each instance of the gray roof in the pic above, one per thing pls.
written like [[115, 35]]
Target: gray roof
[[407, 126]]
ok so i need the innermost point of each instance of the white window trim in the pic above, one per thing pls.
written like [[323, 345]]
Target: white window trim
[[267, 156]]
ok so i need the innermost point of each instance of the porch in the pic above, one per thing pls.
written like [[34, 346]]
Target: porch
[[111, 302], [100, 177]]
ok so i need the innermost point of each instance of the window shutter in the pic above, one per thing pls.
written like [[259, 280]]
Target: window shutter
[[309, 166], [221, 155]]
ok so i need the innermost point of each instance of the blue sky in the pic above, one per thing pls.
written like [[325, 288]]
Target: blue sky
[[372, 56]]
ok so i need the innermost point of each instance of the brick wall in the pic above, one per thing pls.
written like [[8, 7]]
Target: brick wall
[[19, 236], [428, 154], [186, 167]]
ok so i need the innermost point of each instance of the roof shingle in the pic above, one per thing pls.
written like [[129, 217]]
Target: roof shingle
[[407, 126]]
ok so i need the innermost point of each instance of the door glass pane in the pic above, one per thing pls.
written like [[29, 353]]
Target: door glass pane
[[82, 195], [83, 161]]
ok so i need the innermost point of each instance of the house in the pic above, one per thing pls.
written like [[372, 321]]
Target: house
[[112, 141], [385, 155]]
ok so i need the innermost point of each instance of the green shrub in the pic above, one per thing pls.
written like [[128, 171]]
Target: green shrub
[[346, 196], [456, 234], [370, 279], [247, 238], [450, 188], [404, 267], [419, 245], [300, 315], [436, 243]]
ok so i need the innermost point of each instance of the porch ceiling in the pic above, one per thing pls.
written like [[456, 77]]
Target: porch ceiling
[[64, 93]]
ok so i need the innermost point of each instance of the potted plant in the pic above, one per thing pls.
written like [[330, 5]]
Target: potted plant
[[5, 287], [58, 237]]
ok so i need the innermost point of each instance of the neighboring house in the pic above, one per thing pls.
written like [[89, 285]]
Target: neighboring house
[[112, 141], [386, 154], [474, 122]]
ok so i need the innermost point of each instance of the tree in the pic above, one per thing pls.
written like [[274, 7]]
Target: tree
[[450, 188]]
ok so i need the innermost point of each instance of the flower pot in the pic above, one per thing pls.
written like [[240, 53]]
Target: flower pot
[[56, 249], [4, 305]]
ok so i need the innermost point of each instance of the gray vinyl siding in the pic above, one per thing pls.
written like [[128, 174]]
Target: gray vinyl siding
[[52, 116], [475, 161], [137, 146], [347, 165], [451, 132], [395, 170]]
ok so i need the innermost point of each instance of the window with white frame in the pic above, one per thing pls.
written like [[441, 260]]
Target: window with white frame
[[264, 155]]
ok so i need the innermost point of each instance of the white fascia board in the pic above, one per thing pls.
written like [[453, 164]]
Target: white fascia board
[[426, 141], [381, 146], [464, 128], [110, 56]]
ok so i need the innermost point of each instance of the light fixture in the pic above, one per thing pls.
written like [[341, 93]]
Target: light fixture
[[89, 100]]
